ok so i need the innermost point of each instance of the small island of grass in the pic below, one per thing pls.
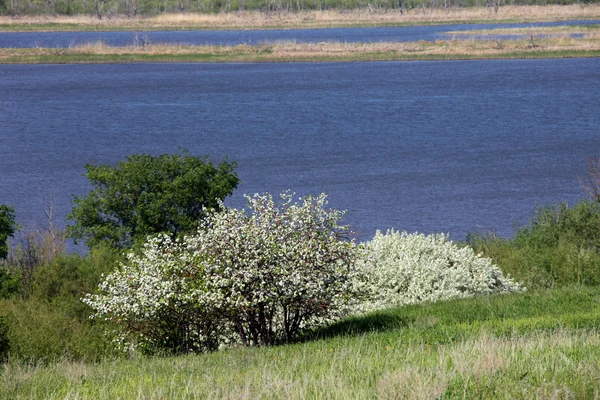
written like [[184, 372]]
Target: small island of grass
[[563, 46]]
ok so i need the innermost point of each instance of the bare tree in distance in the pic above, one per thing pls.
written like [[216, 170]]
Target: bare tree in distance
[[591, 183], [34, 248]]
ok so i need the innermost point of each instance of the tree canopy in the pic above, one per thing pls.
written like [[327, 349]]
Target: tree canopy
[[145, 195], [7, 227]]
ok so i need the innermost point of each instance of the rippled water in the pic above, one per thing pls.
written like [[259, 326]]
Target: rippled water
[[254, 37], [422, 146]]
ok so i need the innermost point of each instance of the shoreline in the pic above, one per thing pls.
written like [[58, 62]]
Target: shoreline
[[524, 48], [254, 20]]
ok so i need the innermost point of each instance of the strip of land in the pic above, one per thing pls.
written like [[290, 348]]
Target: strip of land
[[530, 47], [533, 30], [304, 19]]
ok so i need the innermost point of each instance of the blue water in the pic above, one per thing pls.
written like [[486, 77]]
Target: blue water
[[255, 37], [421, 146]]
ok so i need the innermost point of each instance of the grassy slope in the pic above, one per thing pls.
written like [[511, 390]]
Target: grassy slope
[[543, 343]]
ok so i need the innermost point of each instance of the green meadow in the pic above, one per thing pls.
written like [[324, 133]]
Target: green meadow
[[539, 344]]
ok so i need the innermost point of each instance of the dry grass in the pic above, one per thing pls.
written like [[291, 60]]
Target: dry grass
[[413, 383], [590, 31], [440, 47], [282, 51], [306, 19], [557, 45], [558, 364]]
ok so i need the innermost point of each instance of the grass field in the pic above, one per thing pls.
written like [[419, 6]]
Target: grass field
[[304, 19], [543, 344]]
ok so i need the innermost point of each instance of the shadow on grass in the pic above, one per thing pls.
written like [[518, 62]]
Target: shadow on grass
[[381, 321], [501, 314]]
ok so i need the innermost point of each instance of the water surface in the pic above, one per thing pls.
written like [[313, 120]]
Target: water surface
[[255, 37], [422, 146]]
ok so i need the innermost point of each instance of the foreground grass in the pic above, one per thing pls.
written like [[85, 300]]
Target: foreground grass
[[541, 344], [553, 47], [304, 19]]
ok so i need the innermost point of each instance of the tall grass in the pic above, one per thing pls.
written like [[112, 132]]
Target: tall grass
[[560, 246], [44, 317], [553, 47], [344, 15], [542, 344]]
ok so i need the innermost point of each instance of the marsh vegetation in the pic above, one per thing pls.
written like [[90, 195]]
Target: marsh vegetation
[[588, 45], [345, 17]]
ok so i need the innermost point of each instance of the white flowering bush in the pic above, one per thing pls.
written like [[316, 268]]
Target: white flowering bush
[[255, 278], [158, 301], [399, 268]]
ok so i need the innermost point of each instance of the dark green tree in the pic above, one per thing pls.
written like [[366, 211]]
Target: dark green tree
[[7, 227], [145, 195]]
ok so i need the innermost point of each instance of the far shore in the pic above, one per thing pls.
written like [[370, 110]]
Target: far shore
[[527, 47], [303, 20], [531, 30]]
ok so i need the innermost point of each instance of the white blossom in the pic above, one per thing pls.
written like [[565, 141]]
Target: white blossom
[[399, 268], [255, 277]]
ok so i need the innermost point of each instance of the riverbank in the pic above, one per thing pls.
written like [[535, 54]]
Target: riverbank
[[470, 49], [303, 19], [531, 30]]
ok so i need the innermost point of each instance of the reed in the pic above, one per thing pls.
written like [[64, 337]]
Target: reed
[[587, 30], [303, 19], [557, 46]]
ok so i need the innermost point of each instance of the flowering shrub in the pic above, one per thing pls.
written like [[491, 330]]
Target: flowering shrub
[[254, 278], [400, 268], [156, 301]]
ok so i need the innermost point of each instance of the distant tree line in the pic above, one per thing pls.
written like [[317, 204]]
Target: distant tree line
[[132, 8]]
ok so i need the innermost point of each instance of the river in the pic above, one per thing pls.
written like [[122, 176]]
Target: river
[[420, 146], [257, 37]]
